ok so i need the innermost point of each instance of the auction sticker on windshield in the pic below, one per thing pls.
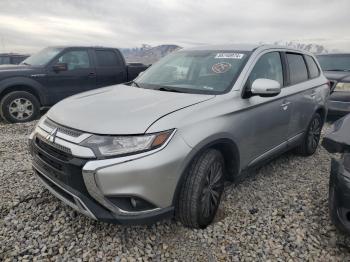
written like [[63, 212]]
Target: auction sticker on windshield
[[229, 55], [221, 68]]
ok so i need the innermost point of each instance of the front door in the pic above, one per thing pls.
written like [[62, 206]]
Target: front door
[[266, 119], [80, 75]]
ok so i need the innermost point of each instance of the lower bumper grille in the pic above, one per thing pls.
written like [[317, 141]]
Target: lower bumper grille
[[64, 195]]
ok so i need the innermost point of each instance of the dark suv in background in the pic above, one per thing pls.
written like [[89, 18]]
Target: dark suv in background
[[336, 68], [12, 59], [55, 73], [337, 142]]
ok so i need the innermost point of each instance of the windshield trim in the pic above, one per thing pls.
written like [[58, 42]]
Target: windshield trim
[[202, 91]]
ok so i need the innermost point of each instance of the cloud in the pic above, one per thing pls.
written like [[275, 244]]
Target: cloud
[[26, 26]]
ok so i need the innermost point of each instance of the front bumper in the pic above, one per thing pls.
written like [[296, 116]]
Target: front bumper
[[340, 185], [90, 185]]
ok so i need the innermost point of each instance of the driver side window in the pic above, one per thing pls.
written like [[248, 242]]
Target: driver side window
[[269, 66], [75, 59]]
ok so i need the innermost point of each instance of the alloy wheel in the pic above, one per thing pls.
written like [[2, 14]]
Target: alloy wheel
[[21, 108], [212, 190], [314, 134]]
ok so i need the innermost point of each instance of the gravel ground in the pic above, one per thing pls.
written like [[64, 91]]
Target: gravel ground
[[279, 213]]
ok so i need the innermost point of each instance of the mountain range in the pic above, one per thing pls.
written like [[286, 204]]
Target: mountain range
[[147, 54]]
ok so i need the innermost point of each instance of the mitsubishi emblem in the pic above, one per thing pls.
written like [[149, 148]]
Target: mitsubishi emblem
[[52, 136]]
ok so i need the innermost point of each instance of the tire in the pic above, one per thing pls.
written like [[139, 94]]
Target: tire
[[19, 107], [312, 137], [198, 202]]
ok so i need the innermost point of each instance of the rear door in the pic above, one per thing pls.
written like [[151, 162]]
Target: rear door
[[303, 90], [80, 75], [110, 67]]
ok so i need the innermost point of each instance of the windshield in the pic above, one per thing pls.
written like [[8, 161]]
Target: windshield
[[43, 57], [334, 62], [210, 72]]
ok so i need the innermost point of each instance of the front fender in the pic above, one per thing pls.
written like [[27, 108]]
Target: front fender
[[26, 82], [220, 138]]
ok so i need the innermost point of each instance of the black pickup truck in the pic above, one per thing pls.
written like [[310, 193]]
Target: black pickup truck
[[55, 73]]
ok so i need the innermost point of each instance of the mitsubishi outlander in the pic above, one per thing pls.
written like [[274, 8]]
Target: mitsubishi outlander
[[163, 145]]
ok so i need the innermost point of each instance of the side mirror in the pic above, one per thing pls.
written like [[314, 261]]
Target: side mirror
[[266, 87], [60, 67]]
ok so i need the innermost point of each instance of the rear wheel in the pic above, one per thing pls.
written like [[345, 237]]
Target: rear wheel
[[201, 191], [312, 137], [19, 107]]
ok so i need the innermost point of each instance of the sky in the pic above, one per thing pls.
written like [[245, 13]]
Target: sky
[[26, 26]]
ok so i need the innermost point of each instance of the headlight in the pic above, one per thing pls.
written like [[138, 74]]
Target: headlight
[[106, 146], [42, 119], [342, 87]]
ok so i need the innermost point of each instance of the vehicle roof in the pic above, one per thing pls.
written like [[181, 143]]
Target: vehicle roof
[[244, 47]]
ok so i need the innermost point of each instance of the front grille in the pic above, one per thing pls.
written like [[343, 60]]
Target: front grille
[[58, 164], [61, 171], [58, 151], [61, 129]]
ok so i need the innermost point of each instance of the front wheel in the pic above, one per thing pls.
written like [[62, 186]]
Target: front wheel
[[312, 137], [19, 107], [201, 191]]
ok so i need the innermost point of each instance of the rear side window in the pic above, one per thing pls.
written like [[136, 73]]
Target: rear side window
[[107, 58], [297, 68], [17, 59], [269, 66], [313, 68]]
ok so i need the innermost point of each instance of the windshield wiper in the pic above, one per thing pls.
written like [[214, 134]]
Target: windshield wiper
[[168, 89]]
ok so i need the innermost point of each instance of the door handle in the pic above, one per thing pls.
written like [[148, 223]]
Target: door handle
[[92, 74], [285, 105]]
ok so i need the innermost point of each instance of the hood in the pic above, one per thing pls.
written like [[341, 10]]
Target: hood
[[120, 109], [17, 70], [337, 75]]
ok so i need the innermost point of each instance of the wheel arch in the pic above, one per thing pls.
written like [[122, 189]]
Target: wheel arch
[[230, 152], [28, 85], [322, 112]]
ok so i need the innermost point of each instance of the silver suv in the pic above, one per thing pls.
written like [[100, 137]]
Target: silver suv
[[164, 144]]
